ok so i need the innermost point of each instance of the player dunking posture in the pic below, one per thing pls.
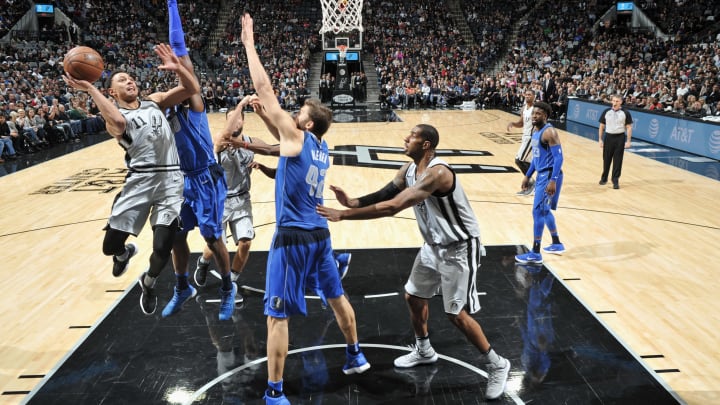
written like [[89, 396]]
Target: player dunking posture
[[205, 188], [301, 248], [547, 161], [154, 181], [449, 258]]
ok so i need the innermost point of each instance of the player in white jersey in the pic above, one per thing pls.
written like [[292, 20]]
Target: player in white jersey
[[237, 214], [449, 257], [524, 157], [154, 183]]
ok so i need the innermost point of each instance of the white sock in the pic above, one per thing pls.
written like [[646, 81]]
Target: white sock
[[123, 256], [149, 281], [493, 358], [423, 344]]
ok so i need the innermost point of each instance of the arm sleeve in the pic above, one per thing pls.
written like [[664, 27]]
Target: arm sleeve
[[556, 151], [389, 191]]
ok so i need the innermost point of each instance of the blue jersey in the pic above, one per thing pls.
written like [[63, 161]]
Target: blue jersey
[[542, 157], [299, 184], [193, 139]]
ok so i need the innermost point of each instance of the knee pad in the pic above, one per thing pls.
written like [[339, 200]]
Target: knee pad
[[114, 242]]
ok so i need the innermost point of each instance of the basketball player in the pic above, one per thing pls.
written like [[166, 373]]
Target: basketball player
[[449, 258], [205, 188], [547, 161], [523, 157], [301, 247], [154, 181], [236, 156], [237, 214]]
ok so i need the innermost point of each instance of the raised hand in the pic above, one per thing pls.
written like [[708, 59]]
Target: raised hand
[[168, 58], [247, 30]]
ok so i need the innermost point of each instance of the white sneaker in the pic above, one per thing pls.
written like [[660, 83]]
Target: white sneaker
[[416, 357], [497, 378]]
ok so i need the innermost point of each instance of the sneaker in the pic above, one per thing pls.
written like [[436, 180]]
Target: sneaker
[[227, 303], [602, 182], [416, 357], [178, 300], [201, 273], [121, 266], [343, 263], [497, 378], [281, 400], [355, 364], [148, 299], [555, 248], [616, 186], [527, 191], [529, 257]]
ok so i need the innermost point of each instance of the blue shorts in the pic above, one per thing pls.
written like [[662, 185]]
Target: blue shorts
[[542, 200], [299, 259], [204, 203]]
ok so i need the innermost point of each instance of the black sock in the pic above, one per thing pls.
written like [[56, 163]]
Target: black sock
[[556, 239], [226, 282], [536, 246], [182, 281]]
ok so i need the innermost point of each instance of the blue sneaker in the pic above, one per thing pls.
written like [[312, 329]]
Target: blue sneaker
[[281, 400], [227, 304], [179, 298], [343, 263], [355, 364], [555, 248], [529, 257]]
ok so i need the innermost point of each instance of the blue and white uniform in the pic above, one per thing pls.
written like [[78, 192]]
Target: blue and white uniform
[[543, 162], [205, 187], [301, 253]]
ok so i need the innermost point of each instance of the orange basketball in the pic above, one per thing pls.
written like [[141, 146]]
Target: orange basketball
[[83, 63]]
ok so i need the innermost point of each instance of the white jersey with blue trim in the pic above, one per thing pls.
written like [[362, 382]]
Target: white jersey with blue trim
[[446, 218], [148, 140]]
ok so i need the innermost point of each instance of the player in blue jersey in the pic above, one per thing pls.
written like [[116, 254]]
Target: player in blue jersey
[[205, 187], [547, 162], [301, 248]]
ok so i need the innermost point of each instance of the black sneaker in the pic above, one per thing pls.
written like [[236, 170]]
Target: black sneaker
[[201, 272], [148, 299], [121, 266]]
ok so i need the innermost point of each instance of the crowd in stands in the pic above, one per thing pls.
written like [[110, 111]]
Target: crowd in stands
[[421, 58]]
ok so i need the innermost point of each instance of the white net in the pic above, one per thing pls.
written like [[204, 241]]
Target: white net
[[341, 16]]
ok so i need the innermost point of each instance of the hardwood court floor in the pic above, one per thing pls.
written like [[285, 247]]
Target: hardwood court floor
[[640, 257]]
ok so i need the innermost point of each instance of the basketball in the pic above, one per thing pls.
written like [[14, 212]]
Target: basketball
[[83, 63]]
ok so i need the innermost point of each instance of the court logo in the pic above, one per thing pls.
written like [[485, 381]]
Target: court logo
[[98, 180], [368, 156], [714, 142]]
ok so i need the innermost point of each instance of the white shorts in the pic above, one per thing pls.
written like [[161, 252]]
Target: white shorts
[[143, 192], [238, 217], [523, 153], [450, 270]]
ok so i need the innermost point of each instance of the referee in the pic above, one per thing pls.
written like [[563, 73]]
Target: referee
[[614, 134]]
